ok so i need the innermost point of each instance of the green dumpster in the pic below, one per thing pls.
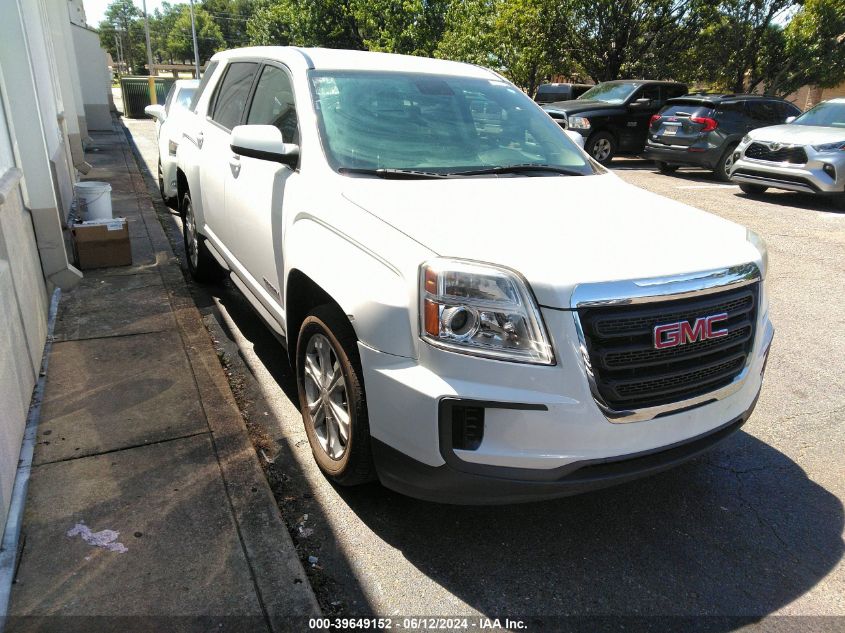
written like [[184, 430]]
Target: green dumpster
[[136, 94]]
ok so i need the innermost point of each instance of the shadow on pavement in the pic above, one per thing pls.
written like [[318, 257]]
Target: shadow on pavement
[[739, 532]]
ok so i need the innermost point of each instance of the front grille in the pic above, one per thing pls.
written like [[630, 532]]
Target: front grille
[[630, 373], [785, 154]]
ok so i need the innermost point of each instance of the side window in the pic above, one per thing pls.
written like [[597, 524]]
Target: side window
[[232, 94], [675, 91], [730, 112], [649, 92], [764, 112], [184, 97], [786, 110], [206, 77], [273, 104]]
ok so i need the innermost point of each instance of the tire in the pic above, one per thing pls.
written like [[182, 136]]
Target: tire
[[666, 168], [722, 170], [327, 354], [601, 146], [201, 264], [752, 190]]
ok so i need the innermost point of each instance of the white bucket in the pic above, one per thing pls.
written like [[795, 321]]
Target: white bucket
[[94, 199]]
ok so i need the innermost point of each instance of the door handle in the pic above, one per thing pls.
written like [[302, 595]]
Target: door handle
[[200, 137], [235, 164]]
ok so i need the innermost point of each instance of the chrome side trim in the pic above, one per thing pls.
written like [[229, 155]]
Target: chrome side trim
[[649, 291]]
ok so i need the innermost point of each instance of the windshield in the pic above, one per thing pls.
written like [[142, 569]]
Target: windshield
[[828, 114], [610, 92], [435, 124]]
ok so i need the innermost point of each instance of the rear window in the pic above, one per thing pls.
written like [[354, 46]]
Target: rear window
[[686, 109]]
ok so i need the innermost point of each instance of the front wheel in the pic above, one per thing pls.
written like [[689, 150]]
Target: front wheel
[[723, 168], [752, 190], [601, 146], [201, 264], [331, 397]]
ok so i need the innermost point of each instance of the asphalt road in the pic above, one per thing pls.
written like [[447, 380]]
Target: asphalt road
[[754, 528]]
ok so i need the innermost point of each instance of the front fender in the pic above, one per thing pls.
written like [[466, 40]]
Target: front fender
[[377, 295]]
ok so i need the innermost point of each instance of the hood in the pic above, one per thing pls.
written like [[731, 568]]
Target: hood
[[556, 231], [577, 106], [799, 134]]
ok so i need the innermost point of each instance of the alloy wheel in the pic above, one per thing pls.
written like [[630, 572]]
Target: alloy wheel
[[191, 239], [601, 149], [326, 396]]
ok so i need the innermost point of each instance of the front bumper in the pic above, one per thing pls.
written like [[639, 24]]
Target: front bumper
[[808, 178], [695, 156], [450, 483], [544, 435]]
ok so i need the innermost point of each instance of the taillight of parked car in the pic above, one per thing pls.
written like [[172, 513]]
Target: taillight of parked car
[[708, 123], [654, 119]]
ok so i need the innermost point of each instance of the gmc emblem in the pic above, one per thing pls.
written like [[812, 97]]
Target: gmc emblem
[[682, 332]]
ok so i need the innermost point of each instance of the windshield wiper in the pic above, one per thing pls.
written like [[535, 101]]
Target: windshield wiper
[[517, 169], [391, 173]]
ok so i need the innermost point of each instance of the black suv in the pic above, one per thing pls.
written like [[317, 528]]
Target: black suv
[[702, 130], [614, 115]]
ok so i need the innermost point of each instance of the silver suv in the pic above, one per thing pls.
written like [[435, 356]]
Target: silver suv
[[806, 154]]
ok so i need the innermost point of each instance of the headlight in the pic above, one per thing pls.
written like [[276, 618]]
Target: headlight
[[839, 146], [579, 123], [757, 242], [481, 309], [172, 146]]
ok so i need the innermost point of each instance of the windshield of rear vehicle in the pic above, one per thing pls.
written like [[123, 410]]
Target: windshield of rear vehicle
[[434, 123], [825, 114], [610, 93]]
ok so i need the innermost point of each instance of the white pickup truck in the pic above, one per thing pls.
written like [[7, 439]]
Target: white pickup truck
[[477, 311]]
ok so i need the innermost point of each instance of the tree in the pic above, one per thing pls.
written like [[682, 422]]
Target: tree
[[814, 45], [209, 38], [117, 24], [329, 23], [741, 45], [611, 39], [232, 16]]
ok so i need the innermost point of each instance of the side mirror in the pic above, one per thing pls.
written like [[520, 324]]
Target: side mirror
[[641, 103], [790, 119], [264, 142], [576, 138], [156, 111]]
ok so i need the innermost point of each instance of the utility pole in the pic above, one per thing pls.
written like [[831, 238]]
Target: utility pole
[[196, 49], [153, 99]]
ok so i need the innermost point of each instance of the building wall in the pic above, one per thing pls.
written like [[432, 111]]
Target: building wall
[[799, 97], [36, 183], [23, 315], [93, 77]]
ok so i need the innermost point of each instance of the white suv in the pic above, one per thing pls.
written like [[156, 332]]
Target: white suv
[[476, 310]]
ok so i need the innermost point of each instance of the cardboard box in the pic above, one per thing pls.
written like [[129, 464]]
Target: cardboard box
[[102, 243]]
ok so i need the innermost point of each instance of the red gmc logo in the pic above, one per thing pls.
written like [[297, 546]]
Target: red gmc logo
[[683, 332]]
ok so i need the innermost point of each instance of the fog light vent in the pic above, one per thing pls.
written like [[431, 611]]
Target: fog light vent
[[830, 170], [467, 427]]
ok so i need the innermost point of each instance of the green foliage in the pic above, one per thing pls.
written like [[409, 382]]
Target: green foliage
[[731, 45], [814, 47], [209, 36]]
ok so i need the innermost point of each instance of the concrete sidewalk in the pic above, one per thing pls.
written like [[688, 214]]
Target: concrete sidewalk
[[140, 435]]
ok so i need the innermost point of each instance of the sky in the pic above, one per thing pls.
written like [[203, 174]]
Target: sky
[[96, 9]]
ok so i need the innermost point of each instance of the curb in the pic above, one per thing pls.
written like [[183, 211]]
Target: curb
[[280, 580]]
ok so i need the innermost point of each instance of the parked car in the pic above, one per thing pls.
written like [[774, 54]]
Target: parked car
[[703, 130], [429, 246], [549, 93], [169, 119], [807, 154], [614, 115]]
